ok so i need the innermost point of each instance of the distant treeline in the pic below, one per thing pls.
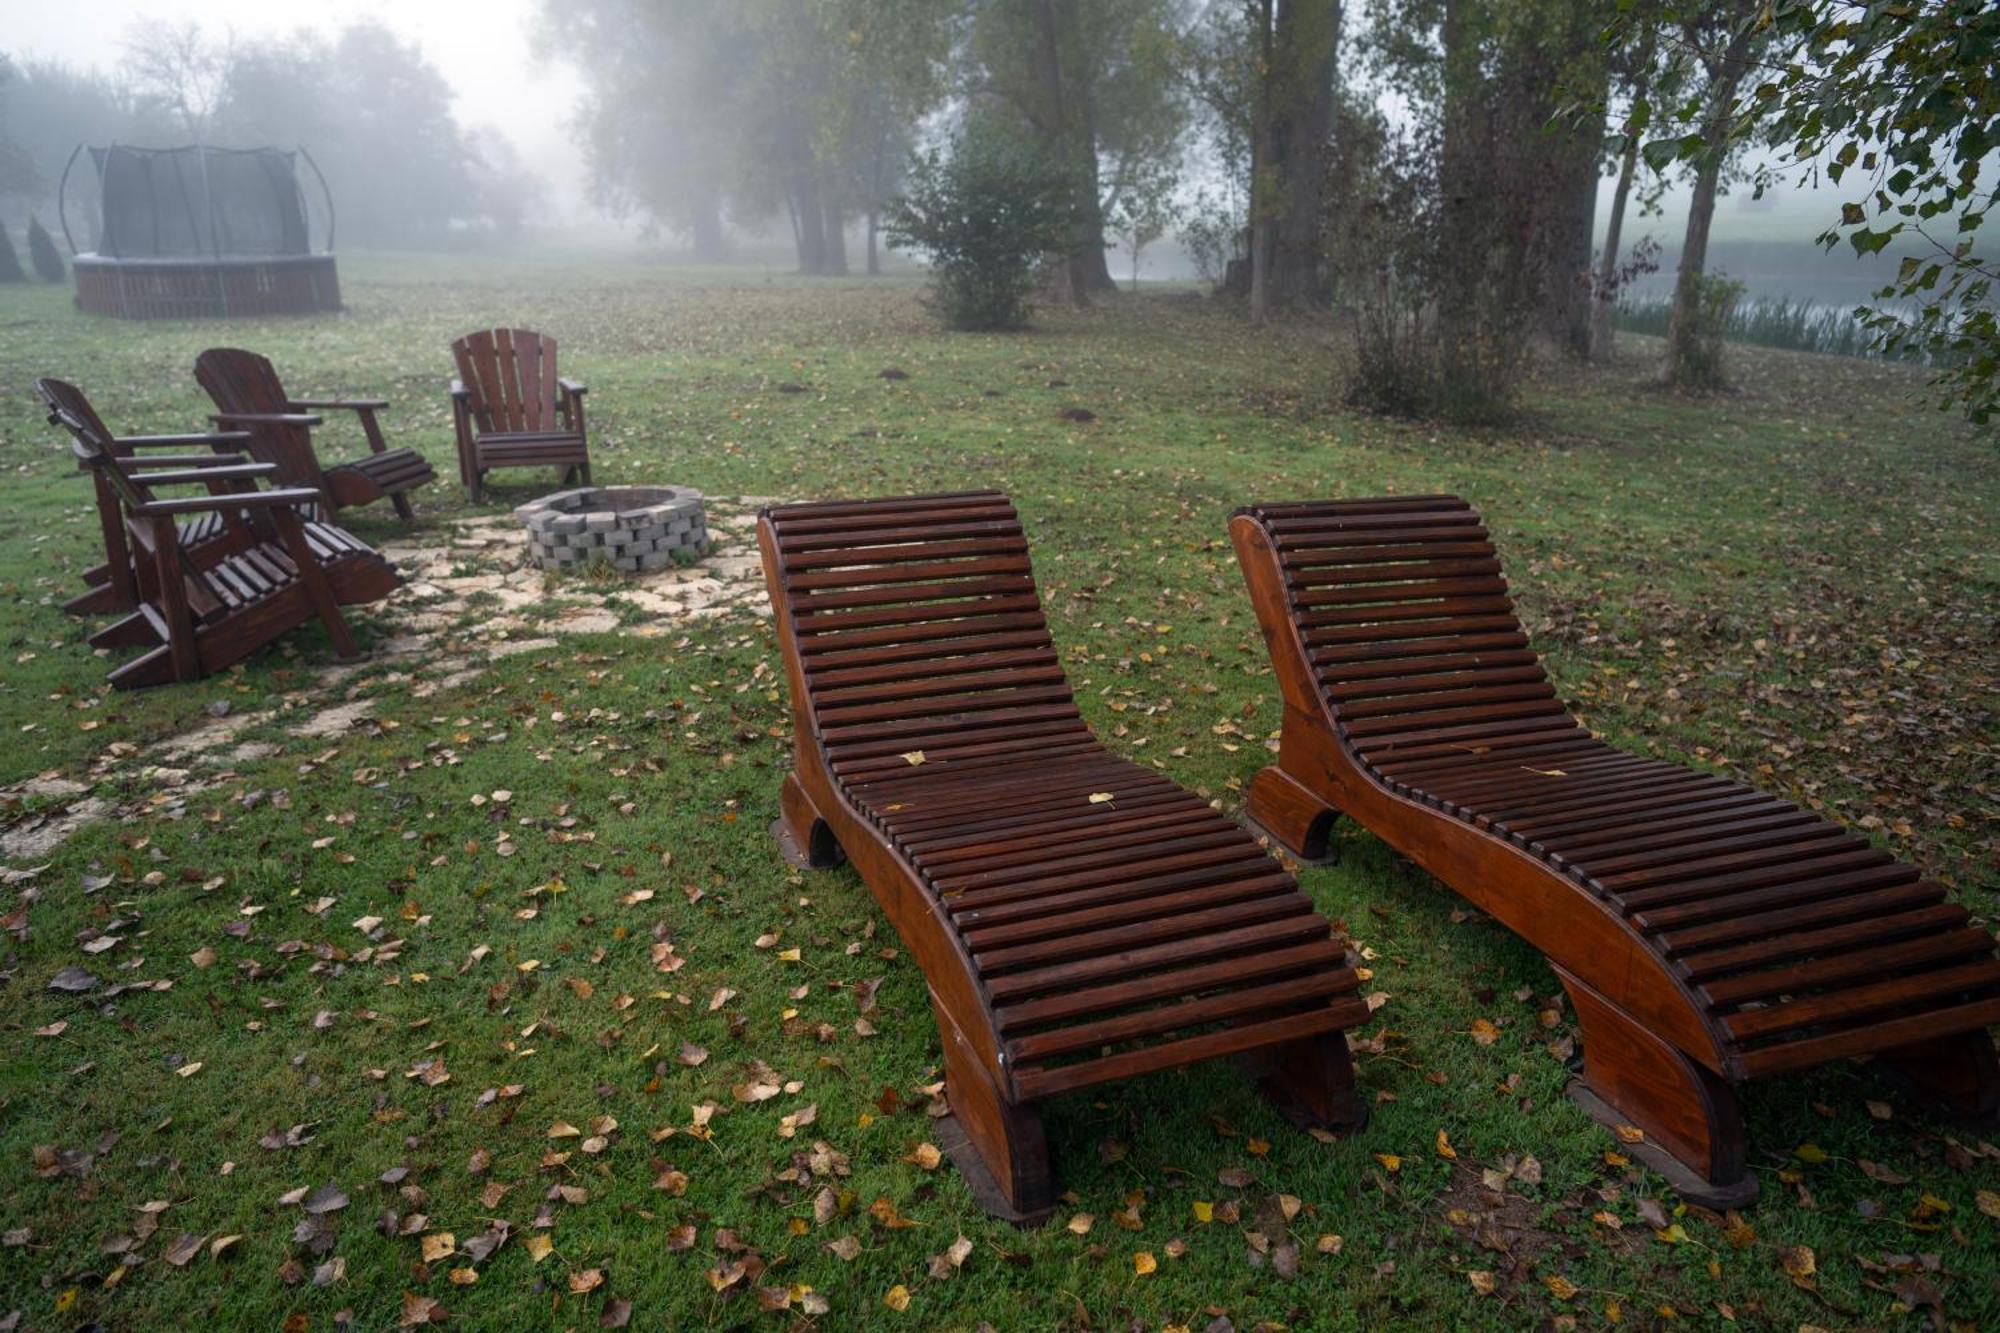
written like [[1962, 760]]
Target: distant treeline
[[374, 114]]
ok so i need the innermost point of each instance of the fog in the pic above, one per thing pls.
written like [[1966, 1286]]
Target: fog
[[552, 156]]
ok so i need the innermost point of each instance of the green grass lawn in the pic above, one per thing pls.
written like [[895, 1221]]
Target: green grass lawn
[[1795, 583]]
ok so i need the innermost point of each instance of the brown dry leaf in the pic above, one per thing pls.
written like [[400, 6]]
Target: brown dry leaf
[[538, 1246], [1482, 1281], [884, 1212], [925, 1155], [437, 1245], [1799, 1263], [420, 1310], [617, 1314], [202, 957], [1560, 1287], [222, 1245], [185, 1247], [1484, 1032], [563, 1129], [691, 1054], [589, 1279], [1082, 1223], [463, 1277], [1329, 1243], [847, 1248]]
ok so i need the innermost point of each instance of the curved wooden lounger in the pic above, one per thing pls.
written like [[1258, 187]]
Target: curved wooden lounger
[[1079, 919], [1707, 933]]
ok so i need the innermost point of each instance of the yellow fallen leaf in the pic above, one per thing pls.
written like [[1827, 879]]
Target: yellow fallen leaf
[[189, 1070], [1810, 1153], [1101, 797], [1082, 1223], [1989, 1202], [563, 1129], [925, 1155], [1389, 1161], [1204, 1211], [463, 1277], [437, 1245], [1143, 1263], [898, 1296], [1482, 1281], [1559, 1286], [538, 1247], [1329, 1243], [1444, 1147], [1484, 1032], [913, 758], [787, 955]]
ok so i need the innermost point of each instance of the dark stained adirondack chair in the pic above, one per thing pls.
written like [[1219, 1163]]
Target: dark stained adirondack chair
[[1080, 919], [249, 396], [269, 571], [112, 586], [1707, 933], [511, 409]]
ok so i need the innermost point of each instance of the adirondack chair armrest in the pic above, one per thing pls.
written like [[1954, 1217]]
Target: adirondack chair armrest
[[204, 437], [267, 418], [340, 404], [199, 475], [212, 462], [572, 388], [288, 498]]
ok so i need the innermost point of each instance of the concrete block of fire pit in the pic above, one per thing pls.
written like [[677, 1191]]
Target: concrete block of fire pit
[[632, 528]]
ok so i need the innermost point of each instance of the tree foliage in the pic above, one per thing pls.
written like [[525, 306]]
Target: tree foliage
[[1898, 105], [983, 211]]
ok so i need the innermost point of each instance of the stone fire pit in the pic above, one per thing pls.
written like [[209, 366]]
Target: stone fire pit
[[633, 528]]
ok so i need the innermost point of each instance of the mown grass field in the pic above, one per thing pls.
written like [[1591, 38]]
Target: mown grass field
[[1796, 583]]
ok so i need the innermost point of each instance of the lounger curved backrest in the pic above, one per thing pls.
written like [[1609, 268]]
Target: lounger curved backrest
[[1079, 919], [1707, 932]]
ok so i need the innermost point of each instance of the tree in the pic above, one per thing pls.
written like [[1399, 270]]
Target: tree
[[42, 252], [1093, 84], [1633, 69], [1718, 41], [983, 213], [1142, 211], [176, 71]]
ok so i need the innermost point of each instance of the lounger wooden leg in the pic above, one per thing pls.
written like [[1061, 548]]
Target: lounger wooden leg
[[997, 1145], [804, 839], [1295, 818], [1959, 1072], [1311, 1082], [1692, 1124]]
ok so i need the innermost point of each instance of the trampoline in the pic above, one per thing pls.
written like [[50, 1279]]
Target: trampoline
[[201, 231]]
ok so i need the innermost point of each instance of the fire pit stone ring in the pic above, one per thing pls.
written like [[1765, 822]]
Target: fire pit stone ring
[[632, 528]]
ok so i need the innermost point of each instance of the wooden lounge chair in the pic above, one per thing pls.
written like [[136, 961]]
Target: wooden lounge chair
[[249, 396], [113, 586], [1080, 919], [511, 409], [268, 571], [1707, 933]]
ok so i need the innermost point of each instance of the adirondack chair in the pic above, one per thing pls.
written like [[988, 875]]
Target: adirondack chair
[[112, 586], [249, 396], [1080, 919], [511, 409], [1707, 933], [269, 571]]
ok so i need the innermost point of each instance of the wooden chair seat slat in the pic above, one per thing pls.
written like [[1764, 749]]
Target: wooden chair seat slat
[[1707, 932], [1079, 918]]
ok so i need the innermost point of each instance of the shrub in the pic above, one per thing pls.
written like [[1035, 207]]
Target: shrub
[[10, 262], [983, 212], [42, 252], [1701, 357]]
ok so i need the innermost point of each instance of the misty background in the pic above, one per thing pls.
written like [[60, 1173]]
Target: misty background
[[483, 124]]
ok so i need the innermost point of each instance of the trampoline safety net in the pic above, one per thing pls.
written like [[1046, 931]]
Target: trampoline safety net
[[199, 202]]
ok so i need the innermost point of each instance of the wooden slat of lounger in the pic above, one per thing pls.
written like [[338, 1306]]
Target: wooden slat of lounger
[[891, 574], [813, 564], [839, 631], [1788, 946], [1869, 957], [1351, 694], [1165, 860], [1393, 656], [1086, 853], [1050, 740], [1825, 912], [936, 596], [1786, 889], [1747, 852], [841, 684], [1000, 939], [926, 829], [1660, 812], [1206, 923], [1415, 631], [832, 546], [857, 700], [1671, 831], [1048, 1082], [1429, 617], [1074, 832], [1887, 1036], [1103, 891], [1639, 849], [1853, 1004], [1181, 967], [1290, 993], [966, 801]]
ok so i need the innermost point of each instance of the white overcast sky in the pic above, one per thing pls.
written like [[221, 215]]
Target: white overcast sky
[[484, 48]]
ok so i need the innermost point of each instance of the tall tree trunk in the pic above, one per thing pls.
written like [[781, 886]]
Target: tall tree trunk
[[1604, 291], [833, 233], [1301, 68], [874, 247], [1065, 119], [1263, 168], [1684, 367], [1457, 175]]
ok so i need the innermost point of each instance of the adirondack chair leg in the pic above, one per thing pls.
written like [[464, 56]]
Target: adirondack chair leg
[[997, 1145], [1693, 1126], [313, 579], [125, 632], [804, 839], [1960, 1073], [1293, 817], [1310, 1081], [403, 510]]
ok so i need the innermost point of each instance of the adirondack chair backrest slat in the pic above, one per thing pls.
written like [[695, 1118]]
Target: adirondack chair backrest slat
[[511, 377], [243, 381]]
